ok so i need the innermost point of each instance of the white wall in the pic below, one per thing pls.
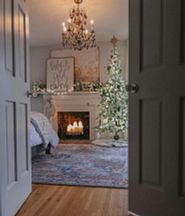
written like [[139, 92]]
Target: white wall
[[39, 55]]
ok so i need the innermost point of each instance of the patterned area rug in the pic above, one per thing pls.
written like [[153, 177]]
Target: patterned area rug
[[82, 165]]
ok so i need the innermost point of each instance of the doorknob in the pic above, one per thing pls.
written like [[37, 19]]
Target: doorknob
[[132, 88], [31, 94]]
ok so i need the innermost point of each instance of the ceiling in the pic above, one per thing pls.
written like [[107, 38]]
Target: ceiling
[[46, 16]]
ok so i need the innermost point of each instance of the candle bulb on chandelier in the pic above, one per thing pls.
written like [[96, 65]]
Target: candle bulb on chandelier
[[76, 34], [92, 22], [64, 27], [92, 25]]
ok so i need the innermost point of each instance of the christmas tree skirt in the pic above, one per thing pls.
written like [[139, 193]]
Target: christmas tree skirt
[[110, 143]]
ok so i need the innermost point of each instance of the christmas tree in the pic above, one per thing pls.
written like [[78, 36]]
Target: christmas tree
[[114, 99]]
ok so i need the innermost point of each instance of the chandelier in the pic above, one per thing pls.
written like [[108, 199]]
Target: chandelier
[[76, 34]]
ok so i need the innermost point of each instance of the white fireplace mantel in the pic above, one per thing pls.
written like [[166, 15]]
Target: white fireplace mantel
[[79, 98], [78, 102]]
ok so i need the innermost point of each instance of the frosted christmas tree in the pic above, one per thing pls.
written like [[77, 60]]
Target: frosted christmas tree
[[114, 103]]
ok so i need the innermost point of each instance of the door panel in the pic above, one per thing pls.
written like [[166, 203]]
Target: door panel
[[183, 30], [11, 143], [150, 132], [22, 43], [151, 31], [182, 148], [9, 49], [156, 112], [15, 160], [24, 145]]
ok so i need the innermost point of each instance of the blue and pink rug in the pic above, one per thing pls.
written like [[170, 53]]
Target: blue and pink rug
[[82, 165]]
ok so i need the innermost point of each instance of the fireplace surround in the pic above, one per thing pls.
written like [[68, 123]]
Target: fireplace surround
[[77, 102]]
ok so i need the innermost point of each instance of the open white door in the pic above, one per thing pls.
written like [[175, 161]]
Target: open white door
[[15, 161], [157, 110]]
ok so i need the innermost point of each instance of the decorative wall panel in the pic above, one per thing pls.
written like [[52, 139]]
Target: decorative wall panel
[[22, 44], [11, 142], [151, 33], [9, 36], [182, 41], [182, 147], [23, 137], [150, 133]]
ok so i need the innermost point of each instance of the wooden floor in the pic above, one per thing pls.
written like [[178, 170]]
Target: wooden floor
[[47, 200]]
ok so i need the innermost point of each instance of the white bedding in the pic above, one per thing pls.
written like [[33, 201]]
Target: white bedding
[[35, 139], [42, 131]]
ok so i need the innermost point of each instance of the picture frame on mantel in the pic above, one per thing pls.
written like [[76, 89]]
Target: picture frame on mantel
[[87, 63], [60, 73]]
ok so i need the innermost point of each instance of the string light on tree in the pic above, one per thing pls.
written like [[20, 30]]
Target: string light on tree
[[114, 102]]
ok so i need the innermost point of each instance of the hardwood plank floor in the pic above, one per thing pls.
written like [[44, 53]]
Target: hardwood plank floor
[[53, 200]]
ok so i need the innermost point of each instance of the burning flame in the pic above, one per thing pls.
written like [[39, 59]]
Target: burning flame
[[76, 128]]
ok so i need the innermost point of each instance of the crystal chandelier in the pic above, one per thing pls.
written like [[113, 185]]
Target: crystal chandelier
[[76, 34]]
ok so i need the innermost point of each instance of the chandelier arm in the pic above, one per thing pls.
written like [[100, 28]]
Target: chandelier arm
[[78, 1], [77, 36]]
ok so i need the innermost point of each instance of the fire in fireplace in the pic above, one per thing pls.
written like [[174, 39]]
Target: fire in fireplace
[[73, 125], [75, 129]]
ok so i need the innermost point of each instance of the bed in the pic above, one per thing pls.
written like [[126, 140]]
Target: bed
[[42, 135]]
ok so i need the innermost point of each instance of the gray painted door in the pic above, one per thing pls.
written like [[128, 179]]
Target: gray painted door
[[15, 162], [157, 110]]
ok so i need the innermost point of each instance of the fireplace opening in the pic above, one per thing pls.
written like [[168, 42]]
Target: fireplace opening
[[73, 125]]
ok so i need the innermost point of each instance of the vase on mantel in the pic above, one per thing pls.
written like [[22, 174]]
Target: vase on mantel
[[78, 85]]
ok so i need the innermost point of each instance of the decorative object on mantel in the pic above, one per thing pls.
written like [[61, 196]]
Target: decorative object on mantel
[[38, 86], [60, 78], [78, 86], [76, 35], [87, 63], [35, 92], [92, 87], [60, 74], [114, 104]]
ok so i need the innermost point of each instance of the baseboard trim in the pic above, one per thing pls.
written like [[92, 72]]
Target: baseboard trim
[[132, 214]]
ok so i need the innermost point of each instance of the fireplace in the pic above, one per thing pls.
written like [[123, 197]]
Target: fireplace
[[74, 125], [84, 104]]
